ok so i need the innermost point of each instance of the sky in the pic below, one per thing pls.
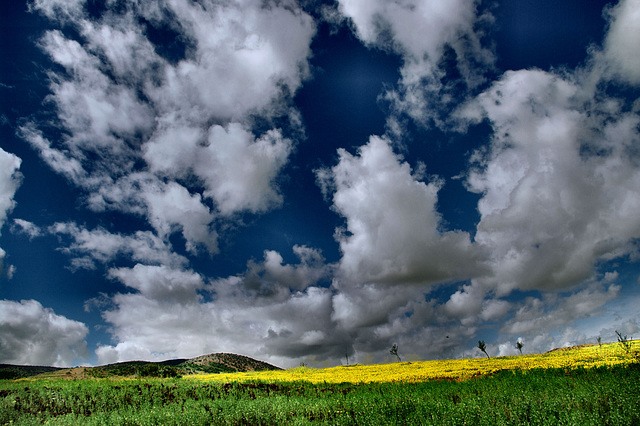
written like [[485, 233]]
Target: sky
[[315, 181]]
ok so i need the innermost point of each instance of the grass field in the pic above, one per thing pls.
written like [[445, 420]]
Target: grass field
[[590, 385]]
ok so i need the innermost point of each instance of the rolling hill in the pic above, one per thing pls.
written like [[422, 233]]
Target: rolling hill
[[212, 363]]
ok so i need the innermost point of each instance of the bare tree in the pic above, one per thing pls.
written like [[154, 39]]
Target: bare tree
[[624, 341], [483, 347], [394, 351], [519, 346]]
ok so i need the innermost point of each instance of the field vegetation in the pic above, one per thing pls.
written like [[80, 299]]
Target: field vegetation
[[591, 385]]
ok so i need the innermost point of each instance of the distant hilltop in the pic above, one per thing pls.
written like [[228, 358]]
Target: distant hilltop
[[212, 363], [236, 362]]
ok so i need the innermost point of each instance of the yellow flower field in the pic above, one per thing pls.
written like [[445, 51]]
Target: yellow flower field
[[586, 356]]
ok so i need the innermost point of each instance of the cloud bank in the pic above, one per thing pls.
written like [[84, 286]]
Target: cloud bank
[[33, 335]]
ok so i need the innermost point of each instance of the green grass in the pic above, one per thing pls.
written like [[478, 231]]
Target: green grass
[[596, 396]]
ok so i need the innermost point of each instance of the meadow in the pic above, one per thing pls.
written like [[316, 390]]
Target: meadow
[[591, 385]]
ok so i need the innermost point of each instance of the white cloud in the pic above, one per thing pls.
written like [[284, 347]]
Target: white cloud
[[33, 335], [161, 282], [59, 10], [174, 313], [171, 206], [552, 311], [243, 54], [474, 304], [393, 230], [101, 115], [559, 183], [9, 183], [424, 32], [237, 169], [465, 303], [58, 160], [11, 270], [10, 179], [272, 272], [357, 308], [621, 42], [26, 227], [272, 332], [414, 28], [121, 104], [174, 141], [100, 245]]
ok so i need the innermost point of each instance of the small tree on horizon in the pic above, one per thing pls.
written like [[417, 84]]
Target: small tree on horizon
[[483, 347], [394, 351], [519, 346], [624, 341]]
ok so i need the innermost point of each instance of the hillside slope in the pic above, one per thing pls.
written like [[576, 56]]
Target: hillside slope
[[233, 361]]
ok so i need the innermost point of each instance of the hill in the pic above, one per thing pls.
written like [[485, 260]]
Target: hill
[[212, 363], [232, 361], [10, 371]]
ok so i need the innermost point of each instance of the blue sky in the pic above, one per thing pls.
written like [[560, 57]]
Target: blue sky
[[299, 181]]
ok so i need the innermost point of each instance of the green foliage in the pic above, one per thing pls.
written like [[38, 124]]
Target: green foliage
[[135, 368], [8, 371], [586, 397], [211, 368]]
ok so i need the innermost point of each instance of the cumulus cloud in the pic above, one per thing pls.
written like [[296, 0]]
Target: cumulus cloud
[[558, 184], [558, 187], [172, 206], [426, 34], [393, 233], [160, 135], [271, 272], [273, 311], [238, 170], [243, 55], [33, 335]]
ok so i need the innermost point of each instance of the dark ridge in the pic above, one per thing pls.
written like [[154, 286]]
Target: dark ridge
[[11, 372]]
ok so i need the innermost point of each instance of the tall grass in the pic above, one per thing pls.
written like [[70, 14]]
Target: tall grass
[[604, 395]]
